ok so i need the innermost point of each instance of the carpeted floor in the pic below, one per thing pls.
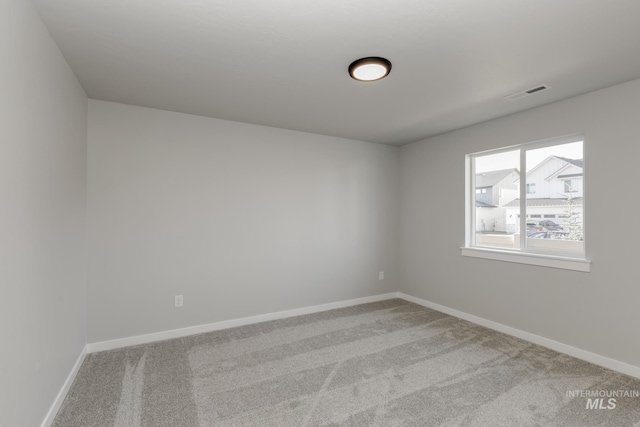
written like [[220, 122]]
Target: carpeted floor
[[390, 363]]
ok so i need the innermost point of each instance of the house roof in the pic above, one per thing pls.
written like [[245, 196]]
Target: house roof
[[489, 179], [481, 204], [570, 175], [537, 203], [569, 165], [576, 162]]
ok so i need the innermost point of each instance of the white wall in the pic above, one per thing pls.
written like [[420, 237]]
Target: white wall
[[240, 219], [43, 113], [595, 311]]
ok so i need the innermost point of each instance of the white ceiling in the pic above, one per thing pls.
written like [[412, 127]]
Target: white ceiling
[[283, 63]]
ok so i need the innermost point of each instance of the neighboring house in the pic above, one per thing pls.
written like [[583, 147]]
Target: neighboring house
[[554, 177], [494, 190], [548, 188]]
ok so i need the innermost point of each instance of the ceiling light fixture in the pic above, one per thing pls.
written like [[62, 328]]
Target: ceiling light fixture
[[369, 69]]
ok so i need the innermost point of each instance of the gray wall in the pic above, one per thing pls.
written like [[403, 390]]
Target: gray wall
[[240, 219], [595, 311], [43, 129], [245, 220]]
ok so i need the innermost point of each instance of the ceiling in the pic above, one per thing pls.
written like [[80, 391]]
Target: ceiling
[[283, 63]]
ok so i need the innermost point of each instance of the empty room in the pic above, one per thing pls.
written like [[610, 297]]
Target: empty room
[[337, 213]]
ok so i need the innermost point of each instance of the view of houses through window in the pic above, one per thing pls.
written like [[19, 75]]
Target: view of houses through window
[[550, 217]]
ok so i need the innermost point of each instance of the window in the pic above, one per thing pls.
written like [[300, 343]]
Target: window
[[571, 185], [540, 211], [531, 188]]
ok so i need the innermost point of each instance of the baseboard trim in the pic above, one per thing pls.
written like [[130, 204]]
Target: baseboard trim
[[588, 356], [193, 330], [57, 403], [578, 353], [594, 358]]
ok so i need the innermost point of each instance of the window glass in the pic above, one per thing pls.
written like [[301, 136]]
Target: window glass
[[497, 175], [552, 192], [553, 170]]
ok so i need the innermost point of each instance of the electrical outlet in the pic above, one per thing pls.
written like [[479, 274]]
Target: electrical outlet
[[178, 301], [381, 275]]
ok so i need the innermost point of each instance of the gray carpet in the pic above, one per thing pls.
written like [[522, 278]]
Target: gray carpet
[[390, 363]]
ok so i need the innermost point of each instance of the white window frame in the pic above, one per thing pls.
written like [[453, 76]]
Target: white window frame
[[521, 255], [567, 185], [570, 182], [531, 188]]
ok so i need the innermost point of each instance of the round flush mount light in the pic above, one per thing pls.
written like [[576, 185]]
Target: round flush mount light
[[369, 69]]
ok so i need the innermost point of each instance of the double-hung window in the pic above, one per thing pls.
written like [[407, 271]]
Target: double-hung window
[[532, 211]]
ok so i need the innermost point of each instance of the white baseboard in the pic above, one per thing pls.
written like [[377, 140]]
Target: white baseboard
[[57, 403], [594, 358], [183, 332]]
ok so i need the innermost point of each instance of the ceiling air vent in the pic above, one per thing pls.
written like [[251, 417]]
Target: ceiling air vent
[[527, 92]]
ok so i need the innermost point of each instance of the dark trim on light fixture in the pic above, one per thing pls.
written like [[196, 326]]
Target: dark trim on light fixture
[[373, 62]]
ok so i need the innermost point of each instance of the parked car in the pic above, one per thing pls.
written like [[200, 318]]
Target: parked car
[[532, 227], [543, 226], [548, 235], [550, 225]]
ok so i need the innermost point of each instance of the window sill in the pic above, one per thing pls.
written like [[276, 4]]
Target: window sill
[[565, 263]]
